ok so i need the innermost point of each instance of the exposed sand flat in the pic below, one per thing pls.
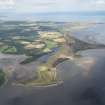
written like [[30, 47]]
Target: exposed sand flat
[[49, 34], [60, 40], [37, 45], [24, 42], [33, 85], [38, 40]]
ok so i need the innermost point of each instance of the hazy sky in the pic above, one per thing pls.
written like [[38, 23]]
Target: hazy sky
[[22, 6]]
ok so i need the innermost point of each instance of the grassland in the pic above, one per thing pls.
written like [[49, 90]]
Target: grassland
[[2, 77], [50, 44], [43, 77]]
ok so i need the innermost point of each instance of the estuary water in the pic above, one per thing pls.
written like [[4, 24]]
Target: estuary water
[[83, 85], [94, 34]]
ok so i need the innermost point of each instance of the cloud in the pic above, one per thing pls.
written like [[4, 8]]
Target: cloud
[[36, 2], [46, 4], [52, 5], [100, 2], [6, 4]]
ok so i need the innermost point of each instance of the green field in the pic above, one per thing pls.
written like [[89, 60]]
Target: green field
[[8, 49], [50, 44], [2, 77], [43, 76]]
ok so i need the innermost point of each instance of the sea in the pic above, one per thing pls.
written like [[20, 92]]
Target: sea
[[94, 34], [98, 16]]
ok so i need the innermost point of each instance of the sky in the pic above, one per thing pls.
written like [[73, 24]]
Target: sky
[[42, 6]]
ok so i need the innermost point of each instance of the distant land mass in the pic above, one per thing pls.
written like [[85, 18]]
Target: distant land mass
[[55, 16]]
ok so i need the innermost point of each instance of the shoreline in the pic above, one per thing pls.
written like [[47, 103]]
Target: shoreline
[[39, 86]]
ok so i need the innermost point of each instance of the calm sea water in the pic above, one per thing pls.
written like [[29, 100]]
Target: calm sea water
[[83, 85], [93, 34], [62, 17]]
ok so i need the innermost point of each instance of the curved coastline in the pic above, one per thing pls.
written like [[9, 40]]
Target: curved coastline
[[35, 85]]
